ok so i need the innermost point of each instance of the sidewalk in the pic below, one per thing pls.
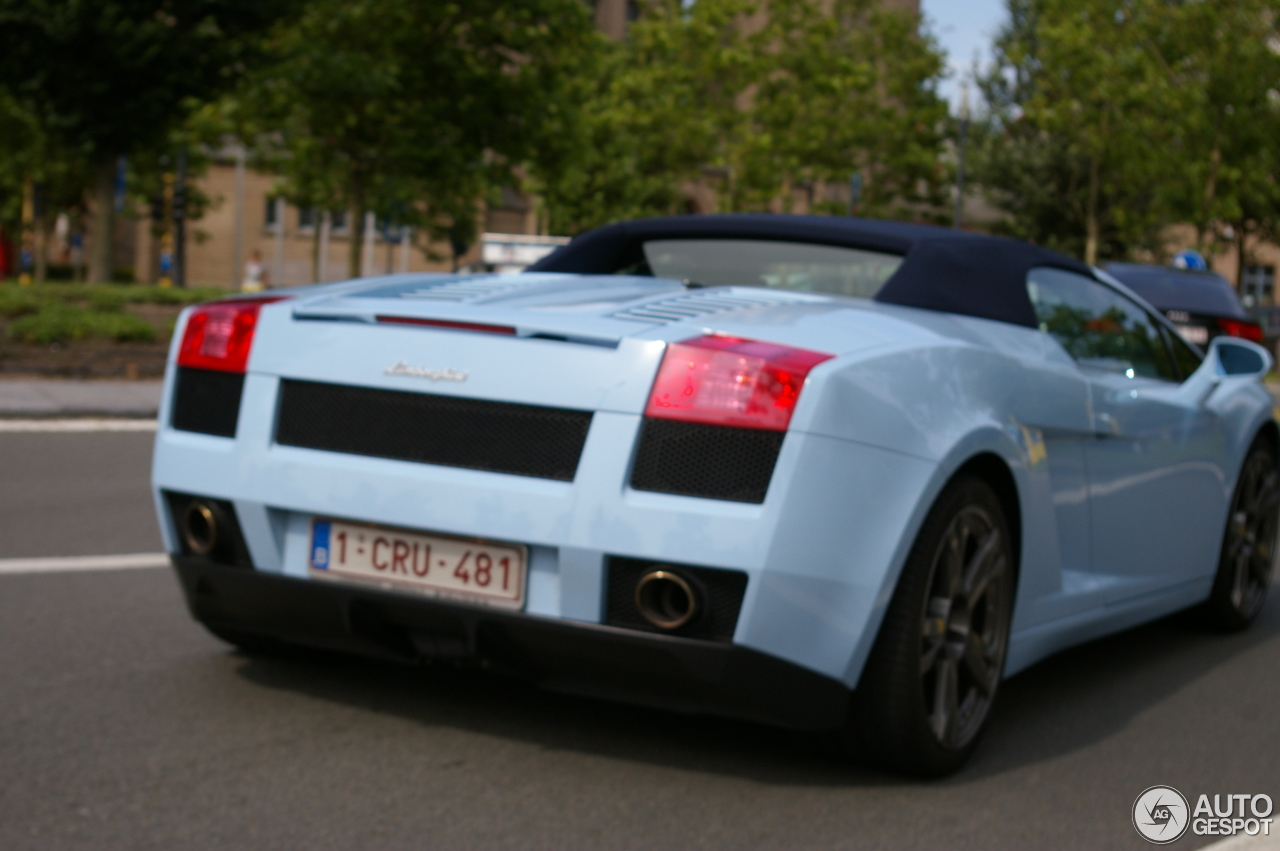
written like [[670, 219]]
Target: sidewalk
[[78, 398]]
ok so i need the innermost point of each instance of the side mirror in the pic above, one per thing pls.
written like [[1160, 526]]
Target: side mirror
[[1230, 359], [1239, 358]]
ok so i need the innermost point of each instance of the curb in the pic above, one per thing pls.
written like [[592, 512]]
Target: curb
[[59, 399]]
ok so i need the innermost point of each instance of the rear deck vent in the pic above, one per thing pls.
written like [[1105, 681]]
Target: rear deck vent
[[464, 289], [697, 305], [500, 437], [710, 461], [207, 401]]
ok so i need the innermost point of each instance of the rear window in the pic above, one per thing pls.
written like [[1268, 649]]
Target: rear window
[[1172, 289], [798, 266]]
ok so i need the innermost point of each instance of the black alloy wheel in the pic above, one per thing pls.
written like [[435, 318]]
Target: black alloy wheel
[[965, 630], [1248, 543], [933, 674]]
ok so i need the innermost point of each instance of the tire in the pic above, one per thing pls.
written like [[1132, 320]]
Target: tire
[[1248, 542], [933, 673]]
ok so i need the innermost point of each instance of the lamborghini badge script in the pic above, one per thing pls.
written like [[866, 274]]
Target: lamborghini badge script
[[403, 368]]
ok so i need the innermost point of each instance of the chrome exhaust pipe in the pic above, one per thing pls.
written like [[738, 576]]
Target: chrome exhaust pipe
[[200, 527], [666, 599]]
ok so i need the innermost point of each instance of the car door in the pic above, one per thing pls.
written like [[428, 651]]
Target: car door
[[1156, 462]]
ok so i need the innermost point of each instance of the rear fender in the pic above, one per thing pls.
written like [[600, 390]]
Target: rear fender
[[1014, 447]]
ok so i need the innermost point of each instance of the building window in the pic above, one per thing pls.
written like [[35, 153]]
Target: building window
[[270, 213], [338, 220], [1257, 285], [306, 218]]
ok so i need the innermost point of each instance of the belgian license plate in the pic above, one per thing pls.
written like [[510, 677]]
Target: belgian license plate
[[436, 565]]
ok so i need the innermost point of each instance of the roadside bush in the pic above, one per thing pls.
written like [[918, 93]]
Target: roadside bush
[[15, 302], [107, 300], [107, 295], [61, 323], [125, 328], [64, 312]]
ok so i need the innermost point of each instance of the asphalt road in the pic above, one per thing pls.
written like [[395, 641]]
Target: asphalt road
[[123, 725]]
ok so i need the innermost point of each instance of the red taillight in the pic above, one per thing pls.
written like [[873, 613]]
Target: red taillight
[[219, 334], [731, 381], [1237, 328]]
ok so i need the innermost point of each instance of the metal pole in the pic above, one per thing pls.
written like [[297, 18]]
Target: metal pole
[[237, 262], [406, 239], [325, 225], [277, 261], [855, 192], [958, 217], [180, 220]]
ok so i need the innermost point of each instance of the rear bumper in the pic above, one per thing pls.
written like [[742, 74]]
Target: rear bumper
[[671, 673]]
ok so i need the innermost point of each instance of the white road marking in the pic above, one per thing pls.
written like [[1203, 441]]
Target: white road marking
[[64, 564], [77, 424]]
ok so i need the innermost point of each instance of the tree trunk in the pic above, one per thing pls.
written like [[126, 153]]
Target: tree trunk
[[1091, 217], [315, 246], [1240, 255], [101, 221], [355, 239], [1204, 221]]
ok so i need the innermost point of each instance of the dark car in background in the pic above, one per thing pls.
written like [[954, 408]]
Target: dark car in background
[[1203, 305]]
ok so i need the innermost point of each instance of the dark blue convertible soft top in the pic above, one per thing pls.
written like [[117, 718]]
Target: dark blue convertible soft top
[[947, 270]]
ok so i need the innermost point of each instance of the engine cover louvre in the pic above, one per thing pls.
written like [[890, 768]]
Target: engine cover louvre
[[498, 437]]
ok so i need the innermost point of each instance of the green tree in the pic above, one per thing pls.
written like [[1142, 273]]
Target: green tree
[[754, 98], [57, 173], [1230, 130], [1086, 97], [663, 109], [848, 86], [109, 78], [416, 110]]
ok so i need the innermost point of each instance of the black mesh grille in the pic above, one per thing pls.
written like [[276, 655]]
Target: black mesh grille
[[207, 401], [501, 437], [717, 462], [719, 592]]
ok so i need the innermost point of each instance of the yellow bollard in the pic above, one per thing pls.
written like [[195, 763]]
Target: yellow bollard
[[28, 232]]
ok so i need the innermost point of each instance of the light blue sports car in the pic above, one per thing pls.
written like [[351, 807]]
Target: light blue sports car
[[827, 473]]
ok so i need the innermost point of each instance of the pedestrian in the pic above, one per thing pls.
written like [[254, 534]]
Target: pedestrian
[[255, 274]]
